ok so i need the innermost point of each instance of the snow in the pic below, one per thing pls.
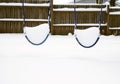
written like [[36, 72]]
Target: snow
[[77, 1], [117, 3], [82, 24], [61, 2], [37, 34], [88, 36], [114, 28], [25, 4], [13, 19], [60, 60], [115, 13], [79, 9]]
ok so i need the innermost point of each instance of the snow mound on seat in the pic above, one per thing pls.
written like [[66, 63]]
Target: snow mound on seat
[[88, 36], [38, 33]]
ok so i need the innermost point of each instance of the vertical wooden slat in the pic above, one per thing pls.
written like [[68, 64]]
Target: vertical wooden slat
[[51, 16], [108, 31]]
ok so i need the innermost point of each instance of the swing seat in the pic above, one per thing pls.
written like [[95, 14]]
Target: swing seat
[[87, 37], [38, 34]]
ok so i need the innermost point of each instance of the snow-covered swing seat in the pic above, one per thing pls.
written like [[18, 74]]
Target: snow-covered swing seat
[[36, 35], [87, 38]]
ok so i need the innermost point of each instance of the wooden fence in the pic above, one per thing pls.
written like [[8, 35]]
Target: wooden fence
[[114, 20], [87, 16], [62, 16], [11, 19], [26, 1]]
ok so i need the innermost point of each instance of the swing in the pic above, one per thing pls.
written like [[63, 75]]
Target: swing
[[36, 35], [87, 38]]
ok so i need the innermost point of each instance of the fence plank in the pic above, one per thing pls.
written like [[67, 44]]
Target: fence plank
[[61, 15]]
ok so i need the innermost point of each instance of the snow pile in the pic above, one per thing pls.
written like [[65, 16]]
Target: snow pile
[[37, 34], [88, 36], [117, 2], [61, 1], [107, 3]]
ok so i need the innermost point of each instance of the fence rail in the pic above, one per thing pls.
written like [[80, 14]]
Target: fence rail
[[26, 1], [62, 16]]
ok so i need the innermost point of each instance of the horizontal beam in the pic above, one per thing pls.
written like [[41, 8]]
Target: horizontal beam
[[25, 4], [20, 20], [114, 28], [79, 4], [79, 9], [79, 24], [114, 13]]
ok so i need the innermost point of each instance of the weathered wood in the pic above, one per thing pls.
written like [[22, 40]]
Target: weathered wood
[[65, 17], [26, 1], [51, 16], [112, 2], [57, 17], [11, 17]]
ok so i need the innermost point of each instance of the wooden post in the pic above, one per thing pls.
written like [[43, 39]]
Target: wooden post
[[51, 16], [108, 23], [112, 2], [98, 1]]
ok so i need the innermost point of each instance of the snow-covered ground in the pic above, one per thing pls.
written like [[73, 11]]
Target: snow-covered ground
[[60, 60]]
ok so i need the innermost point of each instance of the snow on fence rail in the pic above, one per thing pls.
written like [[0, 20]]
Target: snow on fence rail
[[62, 16], [26, 1]]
